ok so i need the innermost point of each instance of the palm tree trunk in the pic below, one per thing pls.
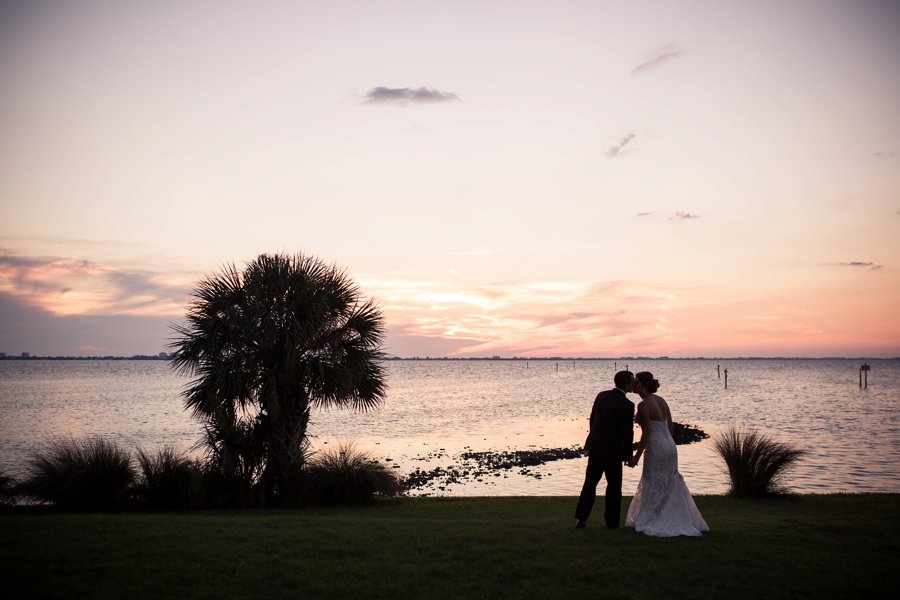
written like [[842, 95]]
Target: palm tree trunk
[[286, 453]]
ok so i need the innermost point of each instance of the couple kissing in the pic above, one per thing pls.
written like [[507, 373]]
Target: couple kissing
[[662, 505]]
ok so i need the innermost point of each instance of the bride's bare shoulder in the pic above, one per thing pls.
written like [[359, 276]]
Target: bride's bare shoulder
[[651, 404]]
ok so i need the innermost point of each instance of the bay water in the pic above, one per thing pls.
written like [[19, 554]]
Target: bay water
[[437, 409]]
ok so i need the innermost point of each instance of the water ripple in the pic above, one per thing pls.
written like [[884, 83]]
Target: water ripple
[[851, 434]]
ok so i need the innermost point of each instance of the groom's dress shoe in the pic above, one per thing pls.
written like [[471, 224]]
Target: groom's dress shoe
[[580, 524]]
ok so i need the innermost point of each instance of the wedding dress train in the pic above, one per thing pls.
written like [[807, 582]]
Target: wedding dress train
[[662, 505]]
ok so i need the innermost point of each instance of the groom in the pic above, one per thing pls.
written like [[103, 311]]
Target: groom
[[609, 446]]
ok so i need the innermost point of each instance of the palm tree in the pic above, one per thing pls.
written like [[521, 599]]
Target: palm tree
[[268, 344]]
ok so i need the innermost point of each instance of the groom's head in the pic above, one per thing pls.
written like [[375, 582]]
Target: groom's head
[[624, 380]]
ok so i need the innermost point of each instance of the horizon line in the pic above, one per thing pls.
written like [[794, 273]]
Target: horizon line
[[496, 358]]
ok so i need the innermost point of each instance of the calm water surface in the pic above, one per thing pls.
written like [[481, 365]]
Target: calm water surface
[[436, 409]]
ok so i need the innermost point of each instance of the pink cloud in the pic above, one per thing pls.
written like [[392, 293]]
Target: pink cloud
[[66, 286], [529, 318]]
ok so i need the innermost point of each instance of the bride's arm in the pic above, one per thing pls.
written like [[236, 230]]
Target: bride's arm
[[644, 421]]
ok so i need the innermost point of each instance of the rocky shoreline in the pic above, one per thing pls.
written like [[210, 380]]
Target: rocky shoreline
[[481, 466]]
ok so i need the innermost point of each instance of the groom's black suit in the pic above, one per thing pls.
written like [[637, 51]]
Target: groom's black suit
[[609, 445]]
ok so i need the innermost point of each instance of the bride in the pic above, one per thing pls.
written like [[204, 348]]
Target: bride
[[662, 505]]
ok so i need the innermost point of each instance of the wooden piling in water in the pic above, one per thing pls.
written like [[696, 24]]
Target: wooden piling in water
[[726, 379]]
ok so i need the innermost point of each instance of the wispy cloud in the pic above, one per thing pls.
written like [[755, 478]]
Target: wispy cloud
[[617, 149], [522, 318], [422, 95], [885, 154], [676, 216], [484, 252], [67, 286], [781, 320], [662, 55], [856, 264]]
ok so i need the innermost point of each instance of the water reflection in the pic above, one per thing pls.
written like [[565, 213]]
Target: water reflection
[[851, 434]]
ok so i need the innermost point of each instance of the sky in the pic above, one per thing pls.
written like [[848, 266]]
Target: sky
[[512, 178]]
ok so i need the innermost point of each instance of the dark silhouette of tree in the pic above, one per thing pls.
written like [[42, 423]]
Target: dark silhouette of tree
[[268, 344]]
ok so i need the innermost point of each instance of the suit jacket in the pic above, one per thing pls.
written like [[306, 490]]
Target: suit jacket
[[612, 426]]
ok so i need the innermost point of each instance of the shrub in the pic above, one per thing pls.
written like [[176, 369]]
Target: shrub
[[170, 480], [89, 474], [345, 475], [234, 465], [756, 464], [7, 489]]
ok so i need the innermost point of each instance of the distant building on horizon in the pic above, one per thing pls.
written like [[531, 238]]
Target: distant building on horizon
[[26, 355], [164, 355]]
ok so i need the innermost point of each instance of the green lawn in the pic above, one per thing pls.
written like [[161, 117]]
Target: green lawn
[[836, 546]]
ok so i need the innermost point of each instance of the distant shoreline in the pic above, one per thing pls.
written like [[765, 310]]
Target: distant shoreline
[[134, 357], [497, 358]]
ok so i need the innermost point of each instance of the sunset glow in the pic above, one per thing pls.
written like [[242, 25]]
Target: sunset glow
[[518, 179]]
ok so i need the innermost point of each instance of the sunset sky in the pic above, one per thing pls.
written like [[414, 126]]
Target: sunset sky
[[507, 178]]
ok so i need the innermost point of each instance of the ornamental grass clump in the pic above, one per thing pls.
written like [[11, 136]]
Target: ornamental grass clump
[[7, 489], [346, 475], [756, 464], [170, 480], [92, 474]]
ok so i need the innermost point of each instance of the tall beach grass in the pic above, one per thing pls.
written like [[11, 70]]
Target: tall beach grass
[[7, 489], [170, 480], [95, 474], [346, 475], [756, 464], [87, 474]]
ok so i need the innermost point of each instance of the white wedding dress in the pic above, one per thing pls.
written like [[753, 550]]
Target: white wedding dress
[[662, 505]]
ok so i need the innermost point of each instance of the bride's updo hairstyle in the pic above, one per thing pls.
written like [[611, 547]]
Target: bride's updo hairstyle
[[646, 378]]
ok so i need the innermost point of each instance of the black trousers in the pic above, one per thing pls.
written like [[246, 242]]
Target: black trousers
[[598, 465]]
